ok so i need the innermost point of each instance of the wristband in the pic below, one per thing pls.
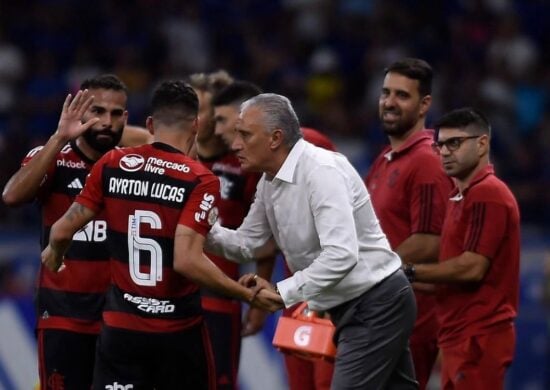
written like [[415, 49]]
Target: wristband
[[410, 271]]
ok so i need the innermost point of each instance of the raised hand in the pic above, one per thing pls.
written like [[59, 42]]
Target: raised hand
[[70, 124]]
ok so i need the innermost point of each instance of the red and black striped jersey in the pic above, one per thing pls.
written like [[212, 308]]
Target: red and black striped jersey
[[71, 299], [236, 195], [145, 192]]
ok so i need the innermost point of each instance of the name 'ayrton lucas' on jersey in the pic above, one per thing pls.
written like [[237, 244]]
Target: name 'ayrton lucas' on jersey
[[142, 187]]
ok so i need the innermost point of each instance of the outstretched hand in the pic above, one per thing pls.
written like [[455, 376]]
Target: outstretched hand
[[70, 124]]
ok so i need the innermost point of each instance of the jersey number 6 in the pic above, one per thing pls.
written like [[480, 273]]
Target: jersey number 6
[[137, 244]]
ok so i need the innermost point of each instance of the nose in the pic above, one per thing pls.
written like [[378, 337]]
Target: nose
[[388, 100], [236, 145], [106, 121], [218, 129], [444, 150]]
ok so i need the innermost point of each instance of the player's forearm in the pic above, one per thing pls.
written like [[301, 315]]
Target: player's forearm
[[205, 273], [24, 184], [60, 244], [74, 219], [61, 235]]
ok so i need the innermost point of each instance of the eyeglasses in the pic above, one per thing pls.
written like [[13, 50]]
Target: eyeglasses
[[452, 144]]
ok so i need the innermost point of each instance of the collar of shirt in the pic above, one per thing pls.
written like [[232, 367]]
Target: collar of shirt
[[414, 139], [456, 195], [286, 172]]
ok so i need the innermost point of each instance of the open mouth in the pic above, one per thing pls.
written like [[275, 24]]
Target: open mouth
[[390, 116]]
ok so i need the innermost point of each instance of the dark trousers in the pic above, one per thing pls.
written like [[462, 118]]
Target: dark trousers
[[372, 333]]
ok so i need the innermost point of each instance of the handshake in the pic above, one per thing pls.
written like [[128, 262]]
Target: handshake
[[265, 296]]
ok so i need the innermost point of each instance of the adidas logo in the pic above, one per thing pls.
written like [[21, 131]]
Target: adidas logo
[[76, 183]]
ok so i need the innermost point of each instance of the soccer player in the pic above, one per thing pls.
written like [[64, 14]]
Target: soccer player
[[409, 190], [223, 314], [159, 204], [69, 304], [478, 270]]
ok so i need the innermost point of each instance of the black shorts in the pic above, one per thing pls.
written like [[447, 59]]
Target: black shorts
[[65, 359], [135, 360], [223, 320]]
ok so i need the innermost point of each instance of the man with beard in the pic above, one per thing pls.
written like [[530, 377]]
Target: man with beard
[[409, 190], [159, 205], [69, 303]]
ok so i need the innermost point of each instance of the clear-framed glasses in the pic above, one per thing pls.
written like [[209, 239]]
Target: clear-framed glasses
[[452, 143]]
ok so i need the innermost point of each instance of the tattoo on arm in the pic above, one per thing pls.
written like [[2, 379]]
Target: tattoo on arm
[[76, 210]]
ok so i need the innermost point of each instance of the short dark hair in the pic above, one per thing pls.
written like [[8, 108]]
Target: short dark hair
[[468, 119], [104, 81], [174, 101], [236, 93], [416, 69]]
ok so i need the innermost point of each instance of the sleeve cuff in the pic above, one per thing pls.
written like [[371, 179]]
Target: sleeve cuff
[[288, 288]]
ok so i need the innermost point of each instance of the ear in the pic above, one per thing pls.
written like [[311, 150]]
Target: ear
[[425, 104], [149, 125], [483, 142], [277, 139]]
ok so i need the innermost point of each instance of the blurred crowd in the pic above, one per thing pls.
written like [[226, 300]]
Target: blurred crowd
[[326, 56]]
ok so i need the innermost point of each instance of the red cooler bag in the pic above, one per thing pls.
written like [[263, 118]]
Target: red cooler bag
[[305, 334]]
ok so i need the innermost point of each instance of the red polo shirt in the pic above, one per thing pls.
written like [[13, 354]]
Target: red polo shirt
[[484, 219], [409, 191]]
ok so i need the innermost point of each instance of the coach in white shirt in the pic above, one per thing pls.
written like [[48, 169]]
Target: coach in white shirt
[[314, 206]]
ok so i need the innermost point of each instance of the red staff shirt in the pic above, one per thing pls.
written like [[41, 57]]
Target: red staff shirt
[[484, 219], [409, 191]]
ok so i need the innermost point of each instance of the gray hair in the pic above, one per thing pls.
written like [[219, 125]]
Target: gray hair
[[277, 114]]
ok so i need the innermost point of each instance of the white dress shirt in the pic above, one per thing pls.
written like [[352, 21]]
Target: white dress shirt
[[319, 212]]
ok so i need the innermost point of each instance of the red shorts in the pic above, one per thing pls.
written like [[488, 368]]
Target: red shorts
[[308, 374], [479, 362]]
